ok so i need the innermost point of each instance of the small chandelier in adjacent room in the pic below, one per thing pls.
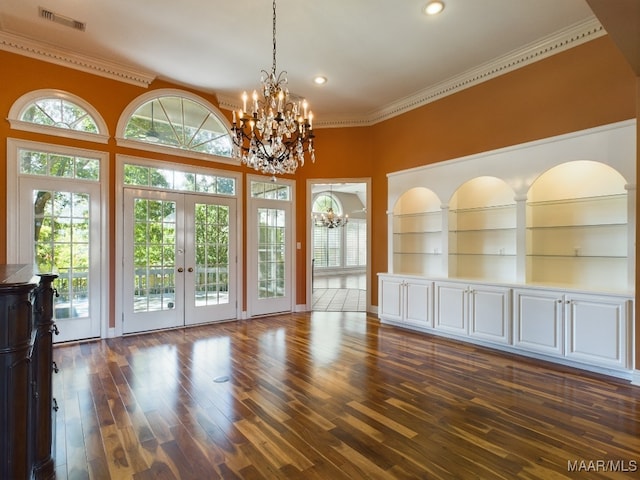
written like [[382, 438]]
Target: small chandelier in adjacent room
[[275, 133], [330, 219]]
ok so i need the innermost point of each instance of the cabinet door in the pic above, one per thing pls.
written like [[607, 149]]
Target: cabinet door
[[418, 303], [597, 330], [390, 292], [538, 324], [489, 313], [451, 307]]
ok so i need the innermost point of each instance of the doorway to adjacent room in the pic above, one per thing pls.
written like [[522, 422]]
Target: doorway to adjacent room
[[339, 237]]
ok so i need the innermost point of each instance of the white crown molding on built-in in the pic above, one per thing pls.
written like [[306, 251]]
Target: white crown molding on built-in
[[48, 53], [565, 39]]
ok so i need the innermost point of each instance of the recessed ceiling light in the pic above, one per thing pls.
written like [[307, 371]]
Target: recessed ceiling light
[[319, 80], [433, 8]]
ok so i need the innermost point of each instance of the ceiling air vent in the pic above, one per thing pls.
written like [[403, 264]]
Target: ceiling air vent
[[61, 19]]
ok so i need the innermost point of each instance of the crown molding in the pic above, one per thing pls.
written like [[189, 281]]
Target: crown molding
[[560, 41], [48, 53]]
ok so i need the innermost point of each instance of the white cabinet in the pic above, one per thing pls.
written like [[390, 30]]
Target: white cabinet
[[406, 300], [538, 321], [591, 329], [597, 329], [476, 310], [490, 313], [451, 307]]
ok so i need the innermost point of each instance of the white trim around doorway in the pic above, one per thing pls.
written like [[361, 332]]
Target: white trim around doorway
[[309, 255]]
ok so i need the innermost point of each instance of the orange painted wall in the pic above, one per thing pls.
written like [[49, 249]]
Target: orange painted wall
[[583, 87], [586, 86]]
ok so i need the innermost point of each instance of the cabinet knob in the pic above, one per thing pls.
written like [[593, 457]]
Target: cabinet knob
[[190, 269], [180, 269], [560, 301]]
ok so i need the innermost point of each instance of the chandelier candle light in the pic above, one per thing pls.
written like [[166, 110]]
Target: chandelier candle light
[[275, 133]]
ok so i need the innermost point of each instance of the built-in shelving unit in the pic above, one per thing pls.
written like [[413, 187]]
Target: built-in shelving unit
[[482, 231], [579, 241], [417, 233], [530, 249]]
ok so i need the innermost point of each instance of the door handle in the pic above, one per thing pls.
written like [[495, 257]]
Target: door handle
[[180, 269]]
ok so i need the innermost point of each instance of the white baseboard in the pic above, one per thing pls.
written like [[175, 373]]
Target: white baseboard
[[635, 379], [301, 308]]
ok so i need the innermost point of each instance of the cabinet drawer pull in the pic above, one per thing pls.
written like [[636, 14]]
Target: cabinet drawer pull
[[55, 367], [54, 404]]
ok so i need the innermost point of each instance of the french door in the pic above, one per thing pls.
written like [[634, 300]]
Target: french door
[[59, 228], [270, 252], [179, 259]]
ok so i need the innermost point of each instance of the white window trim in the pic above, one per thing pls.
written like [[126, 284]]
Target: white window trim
[[121, 160], [252, 269], [121, 141], [19, 106], [13, 172]]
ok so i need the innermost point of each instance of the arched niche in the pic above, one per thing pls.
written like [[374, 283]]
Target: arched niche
[[482, 231], [577, 227], [417, 233], [577, 179], [417, 200], [482, 192]]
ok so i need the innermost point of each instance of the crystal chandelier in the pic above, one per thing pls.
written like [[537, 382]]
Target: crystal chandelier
[[276, 132], [330, 219]]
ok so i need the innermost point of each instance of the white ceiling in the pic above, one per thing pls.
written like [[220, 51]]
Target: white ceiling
[[379, 56]]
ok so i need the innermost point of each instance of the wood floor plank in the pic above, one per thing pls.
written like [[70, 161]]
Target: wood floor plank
[[330, 395]]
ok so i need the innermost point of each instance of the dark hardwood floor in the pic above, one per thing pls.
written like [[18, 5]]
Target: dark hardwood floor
[[332, 395]]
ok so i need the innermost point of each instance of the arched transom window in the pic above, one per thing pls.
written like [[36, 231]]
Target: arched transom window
[[59, 113], [325, 201], [179, 122]]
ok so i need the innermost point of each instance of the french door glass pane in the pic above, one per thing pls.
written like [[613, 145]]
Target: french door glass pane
[[212, 254], [271, 253], [61, 241], [154, 246]]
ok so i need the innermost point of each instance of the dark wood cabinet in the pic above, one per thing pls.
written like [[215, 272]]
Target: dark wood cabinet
[[26, 367]]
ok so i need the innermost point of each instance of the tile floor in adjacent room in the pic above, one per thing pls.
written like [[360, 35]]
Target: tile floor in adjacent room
[[340, 293]]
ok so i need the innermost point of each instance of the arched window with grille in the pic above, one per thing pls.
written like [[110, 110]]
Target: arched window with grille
[[179, 121], [59, 113]]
